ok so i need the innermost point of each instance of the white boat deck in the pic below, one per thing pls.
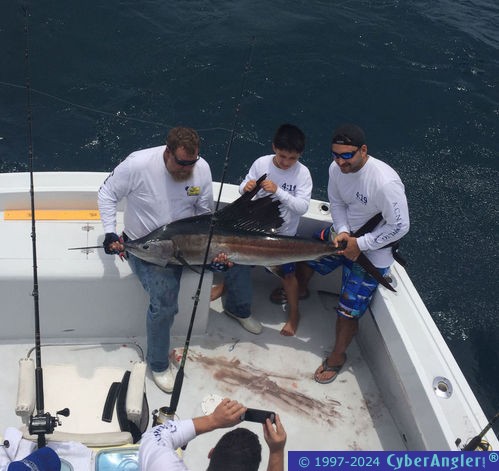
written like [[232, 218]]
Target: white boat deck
[[267, 371], [387, 397]]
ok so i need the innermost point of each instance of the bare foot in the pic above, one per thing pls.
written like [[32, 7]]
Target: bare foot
[[216, 291], [291, 326]]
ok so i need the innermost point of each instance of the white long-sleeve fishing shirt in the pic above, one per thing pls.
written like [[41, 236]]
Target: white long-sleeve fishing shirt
[[294, 189], [153, 197], [357, 197], [158, 446]]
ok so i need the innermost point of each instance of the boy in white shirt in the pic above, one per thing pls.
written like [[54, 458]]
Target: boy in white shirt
[[291, 183]]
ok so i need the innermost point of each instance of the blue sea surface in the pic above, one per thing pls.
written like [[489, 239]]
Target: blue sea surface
[[421, 77]]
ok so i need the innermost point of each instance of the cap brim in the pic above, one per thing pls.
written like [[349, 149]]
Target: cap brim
[[43, 459]]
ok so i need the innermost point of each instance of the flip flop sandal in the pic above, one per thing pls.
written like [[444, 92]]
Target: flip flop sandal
[[278, 296], [334, 369]]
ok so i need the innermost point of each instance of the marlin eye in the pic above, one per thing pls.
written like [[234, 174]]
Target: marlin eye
[[145, 246]]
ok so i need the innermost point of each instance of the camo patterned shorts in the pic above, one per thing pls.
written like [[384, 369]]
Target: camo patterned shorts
[[357, 285]]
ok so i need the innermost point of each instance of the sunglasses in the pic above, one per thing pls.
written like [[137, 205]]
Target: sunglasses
[[184, 163], [345, 155]]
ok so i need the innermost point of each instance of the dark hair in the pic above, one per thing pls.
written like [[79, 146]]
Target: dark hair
[[237, 450], [289, 137], [187, 138]]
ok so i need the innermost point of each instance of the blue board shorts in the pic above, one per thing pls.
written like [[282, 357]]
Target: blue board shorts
[[283, 270], [288, 268], [357, 285]]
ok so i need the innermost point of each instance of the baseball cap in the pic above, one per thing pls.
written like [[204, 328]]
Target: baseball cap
[[43, 459], [350, 135]]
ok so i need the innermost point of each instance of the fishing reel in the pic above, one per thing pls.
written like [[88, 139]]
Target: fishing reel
[[475, 444], [161, 416], [479, 443], [45, 423], [484, 445]]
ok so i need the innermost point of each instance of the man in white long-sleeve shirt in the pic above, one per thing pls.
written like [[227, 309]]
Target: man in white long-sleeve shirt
[[360, 188], [160, 185], [237, 450]]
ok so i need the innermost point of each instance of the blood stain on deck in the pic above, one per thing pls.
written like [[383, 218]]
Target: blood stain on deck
[[258, 381]]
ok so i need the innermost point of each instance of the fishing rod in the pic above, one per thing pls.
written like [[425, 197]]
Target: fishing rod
[[179, 378], [476, 442], [42, 423]]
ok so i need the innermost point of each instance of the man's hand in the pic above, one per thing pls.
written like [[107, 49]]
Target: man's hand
[[113, 244], [221, 262], [275, 436], [250, 185], [227, 414], [351, 251]]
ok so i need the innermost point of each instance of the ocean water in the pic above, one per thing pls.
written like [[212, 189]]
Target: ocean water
[[421, 77]]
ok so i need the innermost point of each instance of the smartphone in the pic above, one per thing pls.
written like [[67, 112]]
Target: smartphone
[[258, 415]]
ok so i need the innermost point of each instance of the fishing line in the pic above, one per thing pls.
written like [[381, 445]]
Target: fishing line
[[118, 114], [234, 124], [170, 411], [42, 423]]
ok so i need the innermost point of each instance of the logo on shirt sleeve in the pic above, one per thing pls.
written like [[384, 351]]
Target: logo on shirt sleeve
[[193, 190], [161, 432]]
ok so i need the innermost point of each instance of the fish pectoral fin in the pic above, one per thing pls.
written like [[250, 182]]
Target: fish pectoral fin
[[185, 263], [276, 270], [194, 269]]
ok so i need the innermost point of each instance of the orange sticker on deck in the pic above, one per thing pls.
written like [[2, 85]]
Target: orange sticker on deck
[[52, 214]]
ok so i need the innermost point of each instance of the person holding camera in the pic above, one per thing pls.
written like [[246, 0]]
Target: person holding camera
[[237, 450]]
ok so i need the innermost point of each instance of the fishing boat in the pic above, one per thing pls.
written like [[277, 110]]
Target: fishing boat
[[401, 388]]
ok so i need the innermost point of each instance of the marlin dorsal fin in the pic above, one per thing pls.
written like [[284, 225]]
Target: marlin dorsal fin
[[260, 215]]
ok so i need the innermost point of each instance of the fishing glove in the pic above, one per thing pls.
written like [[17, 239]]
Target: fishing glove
[[108, 240], [218, 266]]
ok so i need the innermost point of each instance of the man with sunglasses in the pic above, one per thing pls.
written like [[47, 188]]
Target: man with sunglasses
[[361, 188], [161, 185]]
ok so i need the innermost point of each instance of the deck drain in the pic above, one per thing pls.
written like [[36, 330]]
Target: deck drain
[[442, 387]]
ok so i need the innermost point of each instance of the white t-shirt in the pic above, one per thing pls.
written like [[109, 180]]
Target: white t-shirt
[[357, 197], [153, 197], [158, 445], [294, 189]]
